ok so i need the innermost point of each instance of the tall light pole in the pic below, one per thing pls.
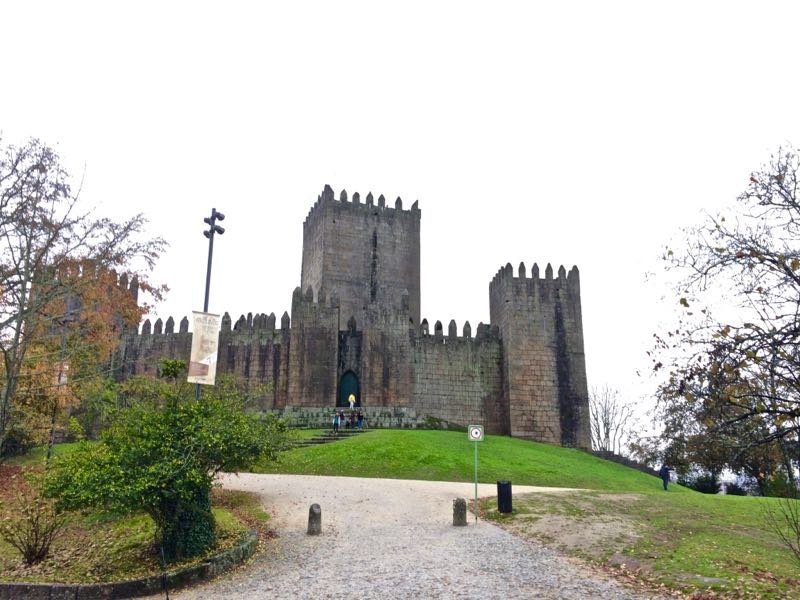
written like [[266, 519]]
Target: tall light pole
[[212, 229]]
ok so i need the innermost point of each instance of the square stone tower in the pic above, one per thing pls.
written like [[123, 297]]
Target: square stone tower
[[362, 254]]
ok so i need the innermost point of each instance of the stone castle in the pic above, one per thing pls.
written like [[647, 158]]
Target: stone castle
[[355, 328]]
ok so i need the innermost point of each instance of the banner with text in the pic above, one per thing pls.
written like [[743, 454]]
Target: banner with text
[[205, 339]]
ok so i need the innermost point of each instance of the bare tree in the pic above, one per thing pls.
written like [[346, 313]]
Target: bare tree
[[43, 235], [733, 362], [783, 518], [611, 418]]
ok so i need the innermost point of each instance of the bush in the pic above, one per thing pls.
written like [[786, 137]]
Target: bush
[[35, 524], [24, 432], [163, 460], [705, 484], [734, 489], [779, 485], [74, 430]]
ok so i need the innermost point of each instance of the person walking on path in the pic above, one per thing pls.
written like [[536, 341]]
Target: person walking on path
[[664, 474]]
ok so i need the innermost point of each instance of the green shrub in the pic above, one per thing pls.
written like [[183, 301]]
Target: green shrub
[[74, 430], [779, 485], [734, 489], [25, 431], [705, 484], [163, 460]]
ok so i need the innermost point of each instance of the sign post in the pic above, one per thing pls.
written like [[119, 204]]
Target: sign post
[[475, 435]]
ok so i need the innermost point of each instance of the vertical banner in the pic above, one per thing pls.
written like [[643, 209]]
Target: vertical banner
[[205, 339]]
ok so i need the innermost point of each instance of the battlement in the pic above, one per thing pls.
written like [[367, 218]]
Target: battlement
[[484, 332], [564, 280], [245, 325], [370, 205], [74, 274]]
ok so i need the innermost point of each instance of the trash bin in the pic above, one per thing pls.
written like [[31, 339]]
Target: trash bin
[[504, 496]]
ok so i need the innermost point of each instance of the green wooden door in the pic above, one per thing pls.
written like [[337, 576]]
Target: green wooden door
[[348, 384]]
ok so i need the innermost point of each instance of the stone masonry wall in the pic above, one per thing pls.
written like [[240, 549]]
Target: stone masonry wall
[[252, 349], [313, 351], [362, 253], [386, 372], [458, 379], [543, 361]]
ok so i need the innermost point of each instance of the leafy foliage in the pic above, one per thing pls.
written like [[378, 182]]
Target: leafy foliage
[[732, 398], [59, 301], [703, 483], [161, 456]]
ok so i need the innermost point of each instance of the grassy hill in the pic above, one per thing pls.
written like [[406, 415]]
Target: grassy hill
[[449, 456]]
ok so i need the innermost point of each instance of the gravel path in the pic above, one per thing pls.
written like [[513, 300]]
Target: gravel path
[[385, 538]]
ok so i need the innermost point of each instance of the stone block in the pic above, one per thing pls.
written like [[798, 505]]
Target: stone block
[[459, 512], [314, 520]]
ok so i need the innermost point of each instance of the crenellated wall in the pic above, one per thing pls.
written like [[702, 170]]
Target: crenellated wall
[[386, 369], [355, 328], [312, 350], [252, 349], [544, 372], [363, 253], [458, 379]]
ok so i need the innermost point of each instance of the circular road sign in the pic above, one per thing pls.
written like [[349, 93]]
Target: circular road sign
[[475, 433]]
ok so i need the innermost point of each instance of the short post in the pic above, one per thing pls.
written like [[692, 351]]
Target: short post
[[314, 520], [459, 512], [504, 496]]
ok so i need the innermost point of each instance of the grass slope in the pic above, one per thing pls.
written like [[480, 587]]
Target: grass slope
[[702, 545], [37, 456], [449, 456]]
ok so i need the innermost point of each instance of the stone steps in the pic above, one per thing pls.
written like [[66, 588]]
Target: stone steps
[[328, 437]]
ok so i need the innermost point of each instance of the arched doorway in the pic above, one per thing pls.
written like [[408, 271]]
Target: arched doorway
[[348, 384]]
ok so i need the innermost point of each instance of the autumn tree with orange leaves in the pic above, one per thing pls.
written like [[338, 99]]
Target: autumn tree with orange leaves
[[61, 302]]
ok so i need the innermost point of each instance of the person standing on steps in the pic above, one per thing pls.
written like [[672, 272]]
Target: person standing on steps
[[663, 472], [352, 400], [335, 422]]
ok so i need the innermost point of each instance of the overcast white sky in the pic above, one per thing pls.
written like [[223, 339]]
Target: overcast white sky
[[578, 133]]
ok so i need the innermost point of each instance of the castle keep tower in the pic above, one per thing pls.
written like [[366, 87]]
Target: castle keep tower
[[355, 329], [362, 253]]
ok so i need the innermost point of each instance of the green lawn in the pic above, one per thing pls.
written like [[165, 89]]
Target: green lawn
[[37, 455], [449, 456], [689, 542]]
